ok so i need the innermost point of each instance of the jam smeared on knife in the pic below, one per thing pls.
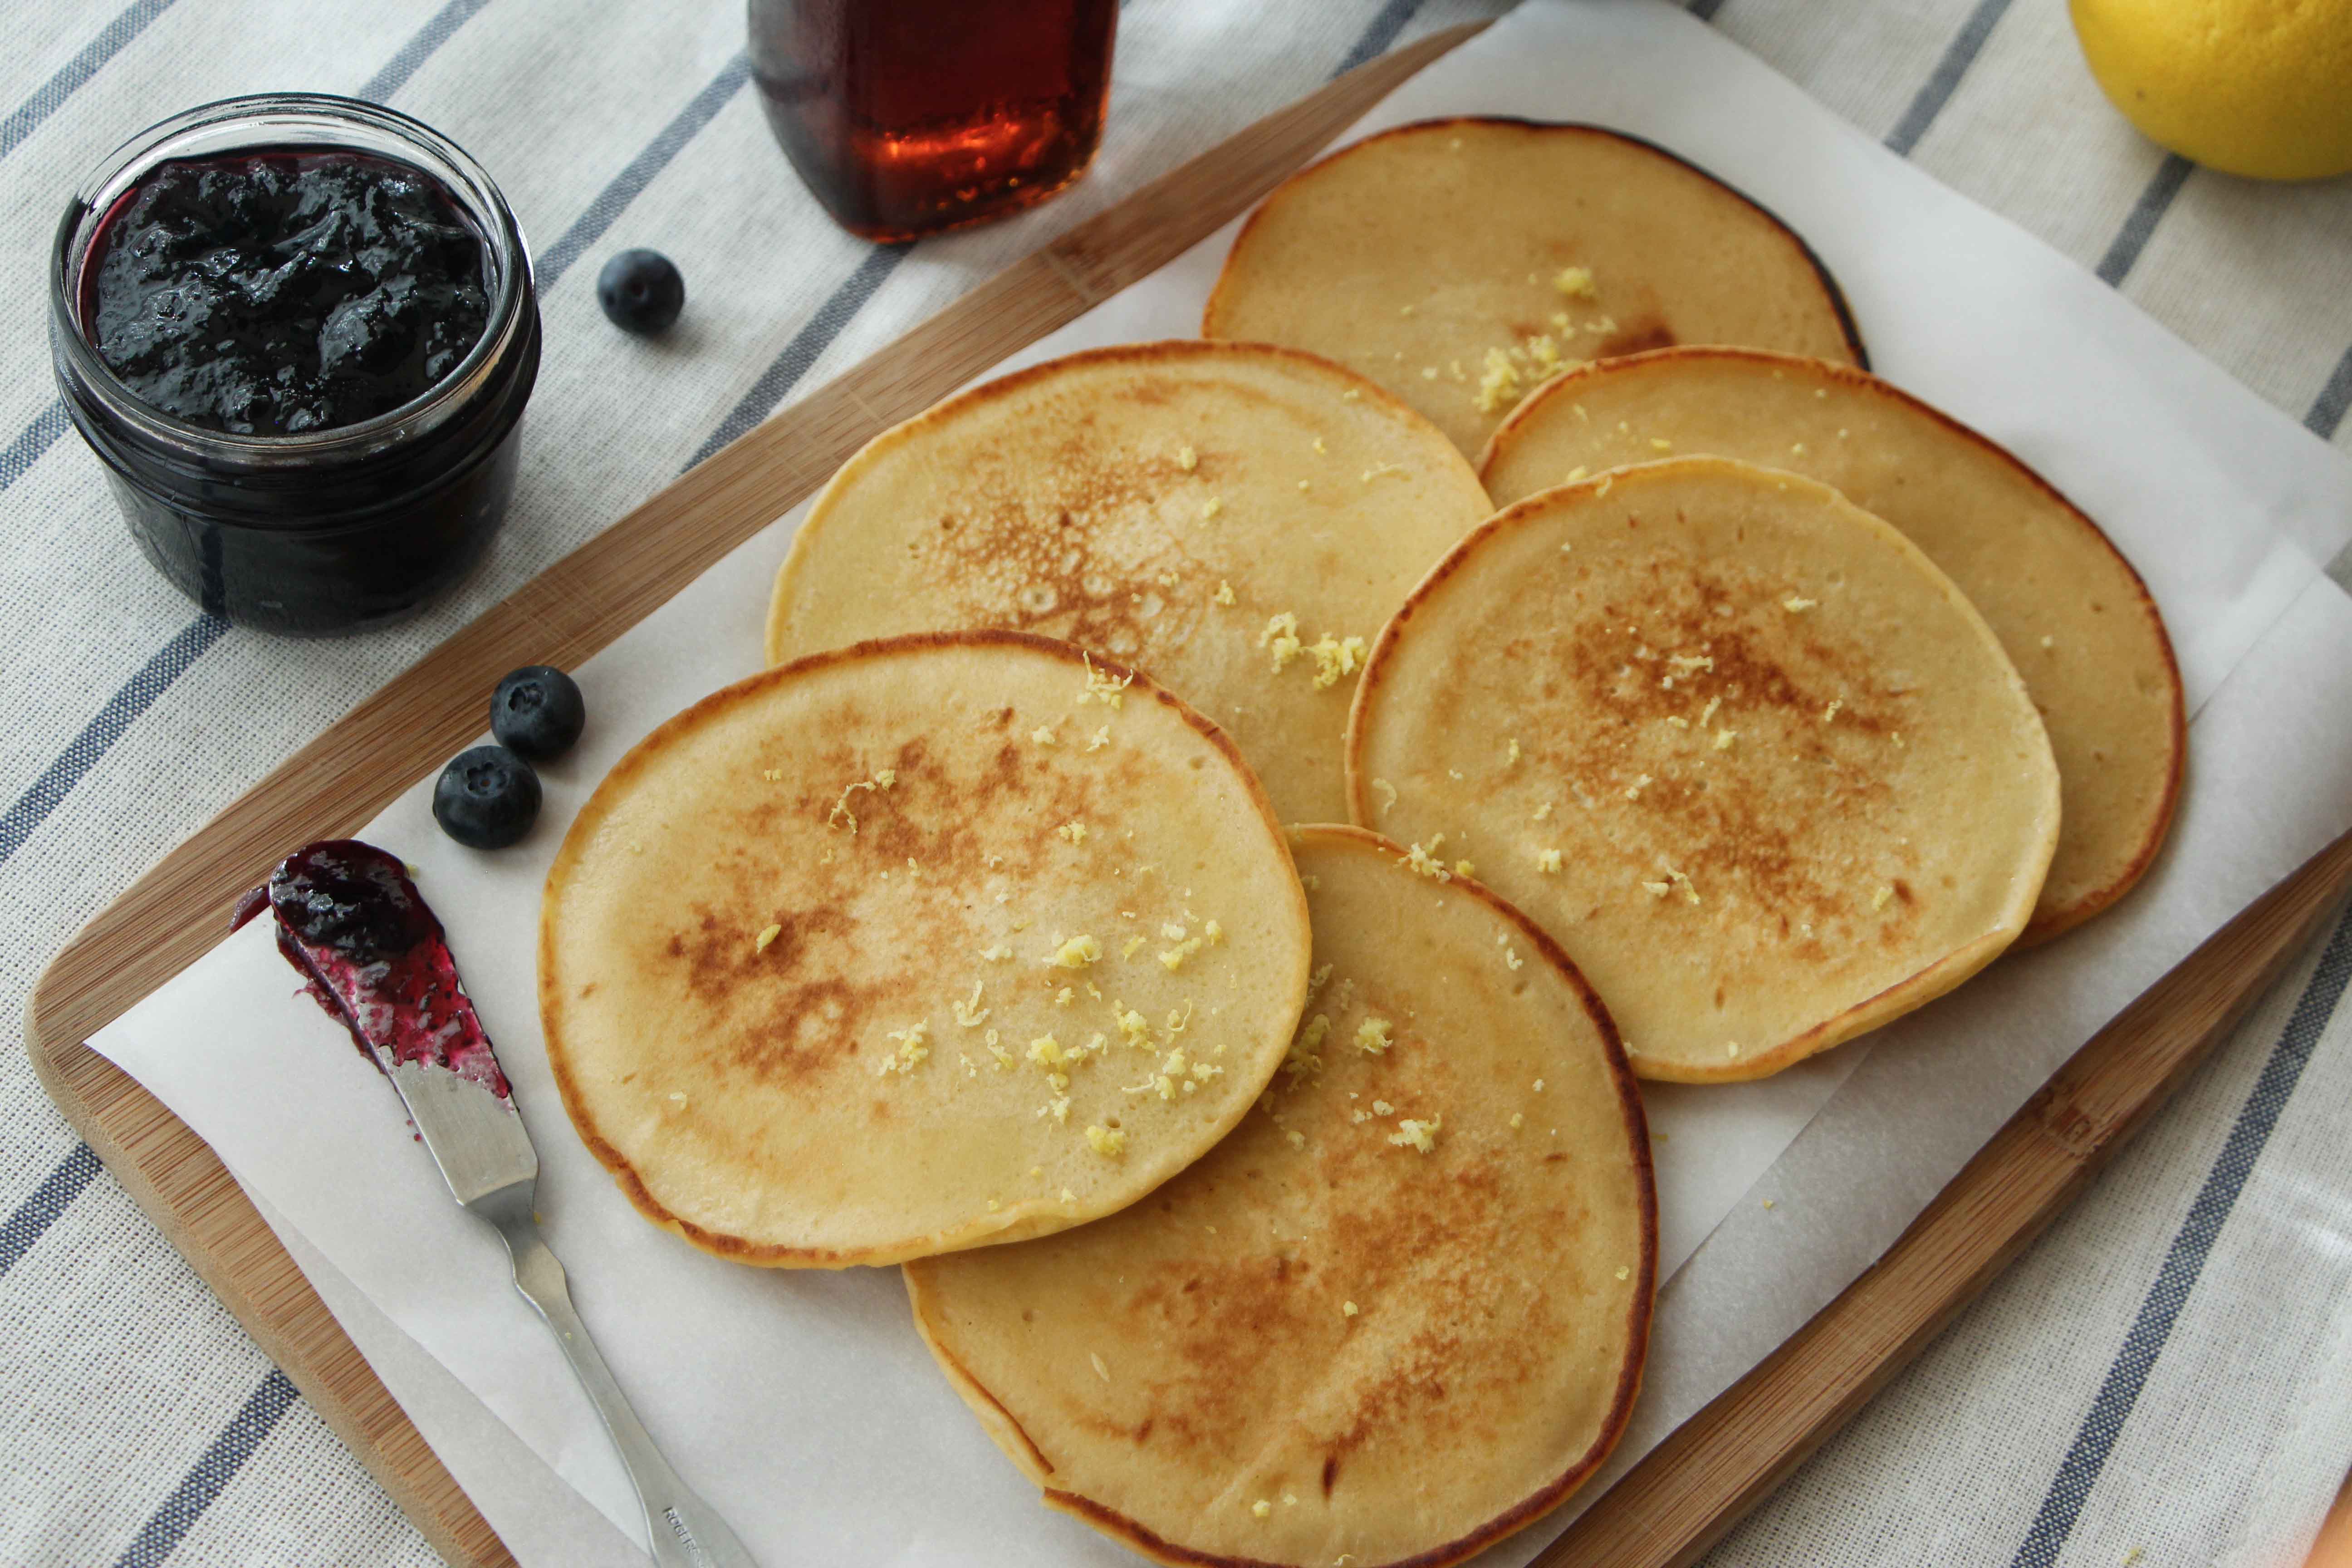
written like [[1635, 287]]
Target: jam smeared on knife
[[351, 921]]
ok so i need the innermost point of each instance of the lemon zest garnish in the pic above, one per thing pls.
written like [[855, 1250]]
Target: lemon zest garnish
[[912, 1048], [1281, 636], [1334, 658], [1499, 387], [1417, 1135]]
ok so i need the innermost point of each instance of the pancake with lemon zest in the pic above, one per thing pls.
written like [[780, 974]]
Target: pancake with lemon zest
[[1399, 1313], [2071, 615], [1236, 519], [808, 1036], [1460, 263], [1794, 787]]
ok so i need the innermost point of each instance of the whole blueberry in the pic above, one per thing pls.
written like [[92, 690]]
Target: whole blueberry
[[641, 291], [537, 712], [486, 799]]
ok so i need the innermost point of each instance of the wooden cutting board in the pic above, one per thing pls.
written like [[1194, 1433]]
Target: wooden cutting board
[[1665, 1510]]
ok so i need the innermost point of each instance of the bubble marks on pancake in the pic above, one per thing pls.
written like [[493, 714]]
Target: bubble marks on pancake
[[374, 955]]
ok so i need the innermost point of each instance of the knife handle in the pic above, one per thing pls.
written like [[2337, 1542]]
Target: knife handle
[[685, 1530]]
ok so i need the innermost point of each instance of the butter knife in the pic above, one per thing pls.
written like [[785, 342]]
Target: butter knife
[[374, 955], [479, 1141]]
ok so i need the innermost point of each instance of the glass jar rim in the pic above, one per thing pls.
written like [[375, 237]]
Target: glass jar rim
[[254, 122]]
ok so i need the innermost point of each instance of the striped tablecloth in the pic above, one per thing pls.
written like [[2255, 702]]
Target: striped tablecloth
[[2166, 1378]]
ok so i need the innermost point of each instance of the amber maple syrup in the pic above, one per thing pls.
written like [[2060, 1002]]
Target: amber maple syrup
[[906, 117]]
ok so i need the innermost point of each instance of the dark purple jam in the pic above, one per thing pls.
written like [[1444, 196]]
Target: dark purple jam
[[275, 292], [354, 926]]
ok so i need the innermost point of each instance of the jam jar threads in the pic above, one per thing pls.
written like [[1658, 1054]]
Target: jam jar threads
[[299, 333]]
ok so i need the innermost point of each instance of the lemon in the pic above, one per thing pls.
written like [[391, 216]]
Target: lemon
[[2262, 88]]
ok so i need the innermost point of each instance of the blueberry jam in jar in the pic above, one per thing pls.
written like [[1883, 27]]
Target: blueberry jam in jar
[[299, 331], [270, 293]]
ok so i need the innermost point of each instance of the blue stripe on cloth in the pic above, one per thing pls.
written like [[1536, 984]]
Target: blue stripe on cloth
[[169, 1525], [48, 97], [2327, 409], [2140, 223], [48, 1200], [1378, 34], [630, 183], [1958, 56], [418, 49], [136, 696], [18, 457], [2185, 1259], [816, 334]]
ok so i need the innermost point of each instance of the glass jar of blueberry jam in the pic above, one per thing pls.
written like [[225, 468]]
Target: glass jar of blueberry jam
[[299, 331]]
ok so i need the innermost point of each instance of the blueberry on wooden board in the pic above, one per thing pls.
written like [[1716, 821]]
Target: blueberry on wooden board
[[537, 712], [641, 291], [486, 799]]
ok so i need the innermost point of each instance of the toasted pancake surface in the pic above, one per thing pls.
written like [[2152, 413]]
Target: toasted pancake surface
[[859, 959], [2069, 610], [1400, 1312], [1736, 744], [1234, 518], [1460, 262]]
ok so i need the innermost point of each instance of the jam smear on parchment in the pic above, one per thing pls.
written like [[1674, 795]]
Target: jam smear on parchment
[[374, 955]]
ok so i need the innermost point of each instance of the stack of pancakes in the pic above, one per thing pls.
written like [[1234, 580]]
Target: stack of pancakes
[[1228, 821]]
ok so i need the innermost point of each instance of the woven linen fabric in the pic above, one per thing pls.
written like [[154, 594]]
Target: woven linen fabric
[[2163, 1374]]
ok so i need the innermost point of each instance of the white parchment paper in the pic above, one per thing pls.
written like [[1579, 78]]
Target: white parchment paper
[[802, 1405]]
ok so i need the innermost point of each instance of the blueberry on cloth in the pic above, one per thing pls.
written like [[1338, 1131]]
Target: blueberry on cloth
[[486, 799], [641, 291], [537, 712]]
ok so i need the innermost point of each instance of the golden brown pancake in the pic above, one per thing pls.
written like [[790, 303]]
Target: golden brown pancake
[[1397, 1314], [1740, 748], [2070, 611], [1236, 520], [860, 958], [1460, 262]]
